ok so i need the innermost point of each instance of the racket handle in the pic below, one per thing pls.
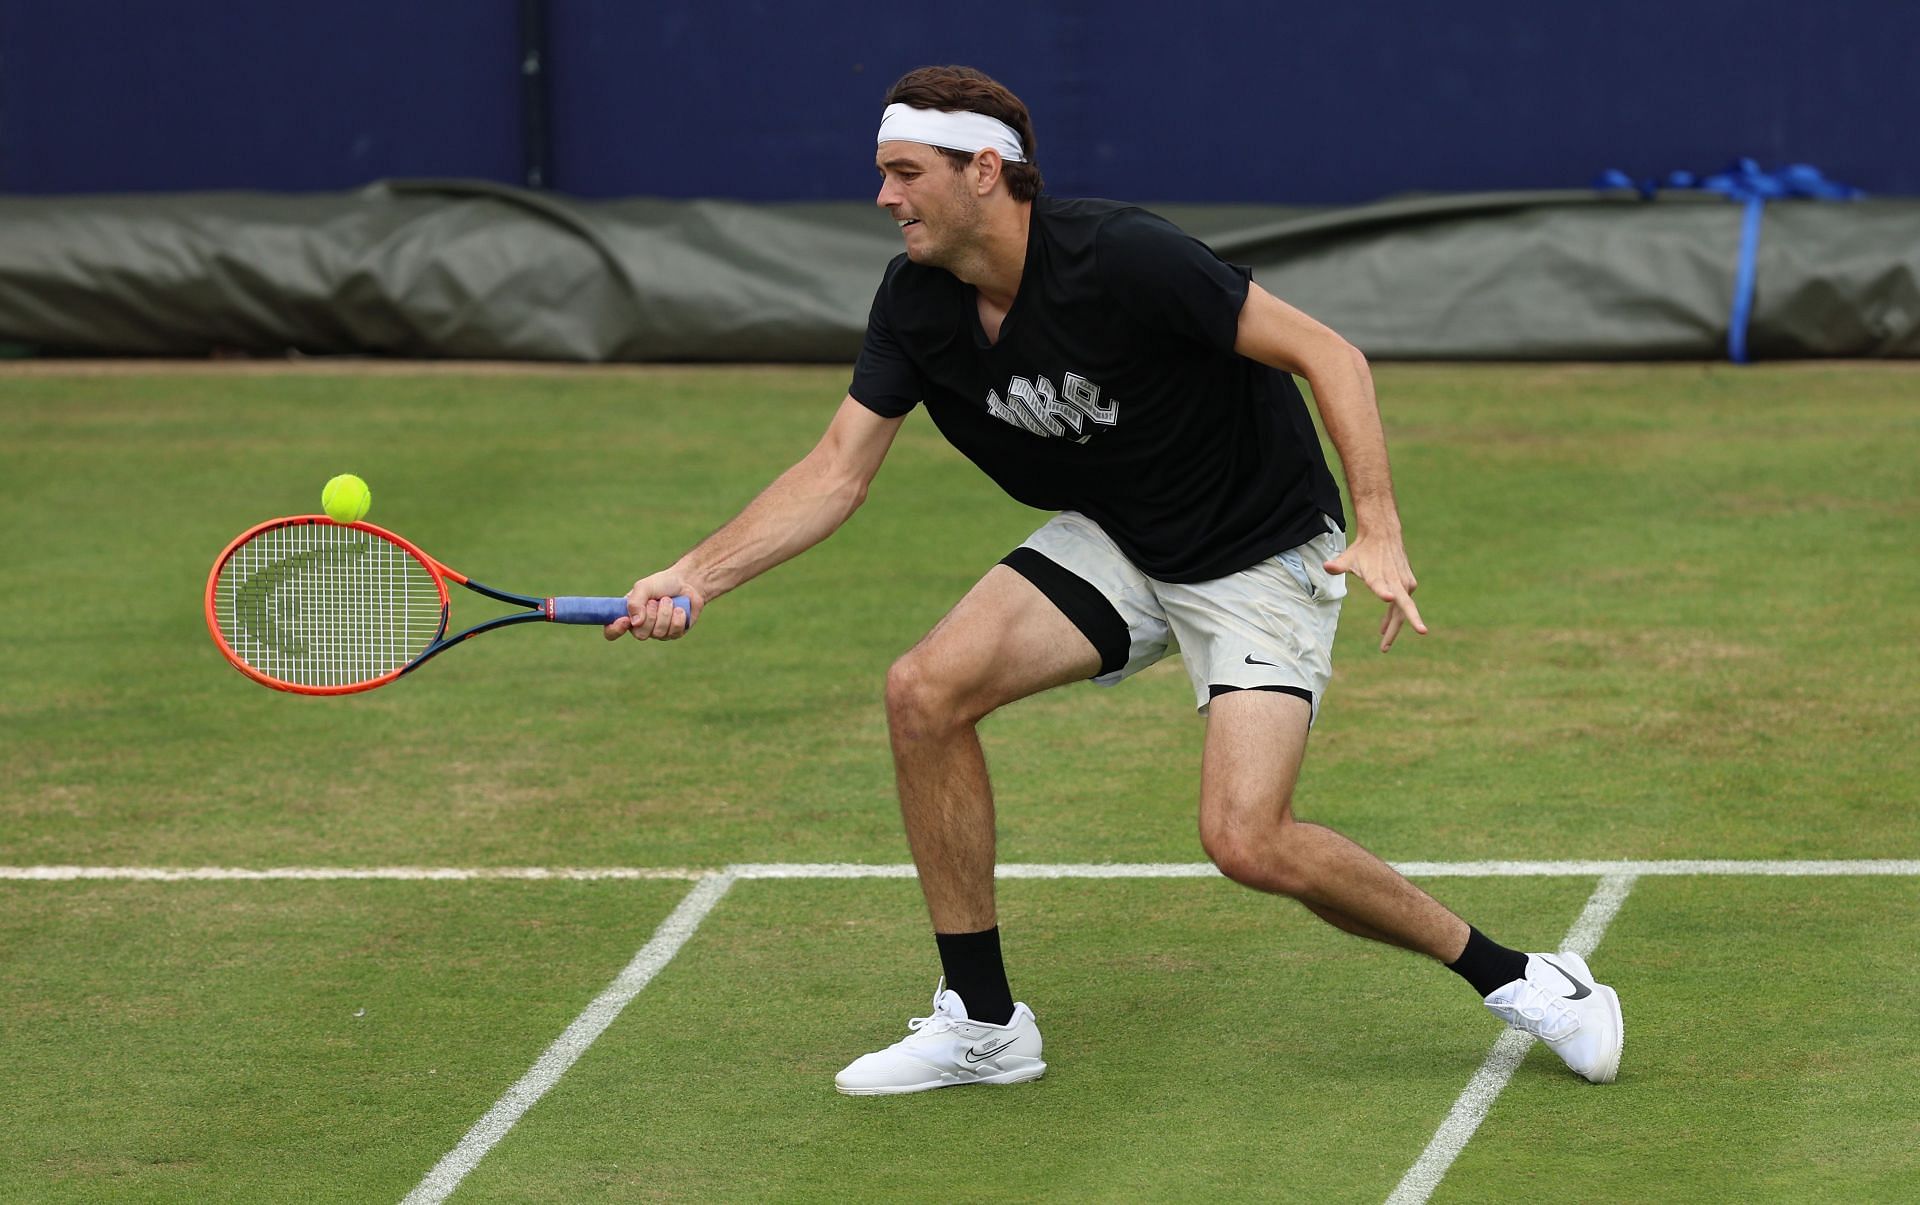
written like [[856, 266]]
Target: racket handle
[[602, 611]]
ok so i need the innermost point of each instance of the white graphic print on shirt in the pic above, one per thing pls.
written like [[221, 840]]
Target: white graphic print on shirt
[[1035, 406]]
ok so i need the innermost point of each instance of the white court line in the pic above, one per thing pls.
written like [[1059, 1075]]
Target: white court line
[[1007, 870], [1505, 1057], [199, 874], [1629, 866], [569, 1046], [1206, 870]]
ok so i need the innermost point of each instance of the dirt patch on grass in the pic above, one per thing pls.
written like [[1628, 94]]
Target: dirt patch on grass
[[1672, 651], [1777, 505]]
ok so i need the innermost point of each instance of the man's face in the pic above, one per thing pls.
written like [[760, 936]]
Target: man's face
[[932, 200]]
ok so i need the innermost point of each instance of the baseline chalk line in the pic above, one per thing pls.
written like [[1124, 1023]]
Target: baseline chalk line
[[217, 874], [1006, 870]]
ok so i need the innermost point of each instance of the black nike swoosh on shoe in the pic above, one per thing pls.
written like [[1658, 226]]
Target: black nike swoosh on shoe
[[1251, 660], [1580, 990], [981, 1056]]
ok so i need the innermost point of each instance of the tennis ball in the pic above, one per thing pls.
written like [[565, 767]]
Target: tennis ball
[[346, 499]]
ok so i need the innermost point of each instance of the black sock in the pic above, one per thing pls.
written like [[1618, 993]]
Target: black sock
[[1488, 965], [974, 970]]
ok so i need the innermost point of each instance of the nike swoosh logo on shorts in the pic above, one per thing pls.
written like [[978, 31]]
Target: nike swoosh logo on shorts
[[1580, 990], [981, 1056], [1252, 660]]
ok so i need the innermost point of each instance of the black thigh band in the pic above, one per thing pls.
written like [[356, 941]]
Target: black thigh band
[[1299, 692], [1083, 605]]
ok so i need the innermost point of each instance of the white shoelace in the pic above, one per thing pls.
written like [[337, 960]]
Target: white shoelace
[[921, 1027], [935, 1024]]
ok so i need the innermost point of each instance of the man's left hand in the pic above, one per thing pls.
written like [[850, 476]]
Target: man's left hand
[[1381, 562]]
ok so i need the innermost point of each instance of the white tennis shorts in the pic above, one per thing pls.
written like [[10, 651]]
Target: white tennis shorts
[[1267, 627]]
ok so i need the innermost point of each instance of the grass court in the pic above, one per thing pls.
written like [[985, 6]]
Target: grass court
[[1672, 620]]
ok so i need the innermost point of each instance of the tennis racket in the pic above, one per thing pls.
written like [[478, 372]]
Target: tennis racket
[[323, 608]]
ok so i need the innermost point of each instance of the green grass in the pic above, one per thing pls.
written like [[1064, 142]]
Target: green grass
[[282, 1041], [1672, 617]]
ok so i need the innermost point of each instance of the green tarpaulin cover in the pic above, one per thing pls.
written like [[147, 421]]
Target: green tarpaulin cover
[[461, 270]]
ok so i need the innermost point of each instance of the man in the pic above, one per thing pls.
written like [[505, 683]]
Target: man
[[1095, 361]]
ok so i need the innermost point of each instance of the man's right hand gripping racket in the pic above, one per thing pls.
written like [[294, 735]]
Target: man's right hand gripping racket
[[316, 607]]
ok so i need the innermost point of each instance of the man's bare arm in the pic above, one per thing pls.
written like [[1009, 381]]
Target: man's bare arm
[[1275, 333], [802, 507]]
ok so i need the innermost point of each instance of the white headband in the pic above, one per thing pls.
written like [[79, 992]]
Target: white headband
[[969, 132]]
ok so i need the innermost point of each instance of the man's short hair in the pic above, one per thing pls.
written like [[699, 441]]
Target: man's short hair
[[964, 90]]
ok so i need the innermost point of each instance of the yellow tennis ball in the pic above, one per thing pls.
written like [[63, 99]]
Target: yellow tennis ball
[[346, 499]]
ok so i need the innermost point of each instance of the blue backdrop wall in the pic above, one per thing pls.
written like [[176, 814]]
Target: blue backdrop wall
[[1209, 100]]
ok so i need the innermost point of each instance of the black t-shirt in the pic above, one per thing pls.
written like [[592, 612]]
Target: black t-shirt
[[1114, 390]]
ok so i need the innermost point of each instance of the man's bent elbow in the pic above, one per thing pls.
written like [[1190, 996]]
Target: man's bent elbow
[[1342, 357], [851, 496], [1333, 362]]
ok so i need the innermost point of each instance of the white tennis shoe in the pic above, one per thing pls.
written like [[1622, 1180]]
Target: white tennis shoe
[[1560, 1003], [947, 1049]]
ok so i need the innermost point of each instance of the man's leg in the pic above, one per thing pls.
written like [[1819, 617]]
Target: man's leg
[[1003, 641], [1256, 740]]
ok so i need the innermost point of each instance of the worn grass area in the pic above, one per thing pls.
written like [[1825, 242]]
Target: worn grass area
[[1672, 617]]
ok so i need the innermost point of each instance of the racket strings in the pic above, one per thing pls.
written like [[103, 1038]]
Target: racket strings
[[316, 605]]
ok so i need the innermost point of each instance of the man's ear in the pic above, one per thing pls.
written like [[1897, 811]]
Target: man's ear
[[987, 164]]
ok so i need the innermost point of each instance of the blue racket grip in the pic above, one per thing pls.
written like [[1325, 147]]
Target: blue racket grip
[[602, 611]]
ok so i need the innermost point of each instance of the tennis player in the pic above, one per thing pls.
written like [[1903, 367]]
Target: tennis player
[[1095, 361]]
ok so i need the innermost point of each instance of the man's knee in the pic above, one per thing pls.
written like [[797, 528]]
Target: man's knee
[[1260, 853], [925, 699]]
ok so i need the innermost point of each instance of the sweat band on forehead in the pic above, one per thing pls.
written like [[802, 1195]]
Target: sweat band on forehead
[[969, 132]]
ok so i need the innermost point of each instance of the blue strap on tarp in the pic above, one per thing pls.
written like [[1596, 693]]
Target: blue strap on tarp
[[1743, 180]]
